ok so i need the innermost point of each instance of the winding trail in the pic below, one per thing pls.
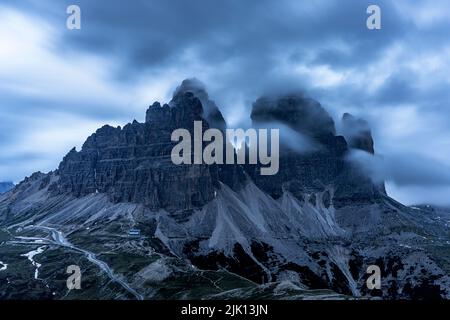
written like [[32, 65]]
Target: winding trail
[[61, 240]]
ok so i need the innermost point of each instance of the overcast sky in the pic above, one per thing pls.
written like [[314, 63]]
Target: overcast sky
[[58, 85]]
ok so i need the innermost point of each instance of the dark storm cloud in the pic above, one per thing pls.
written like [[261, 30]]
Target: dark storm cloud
[[251, 34], [156, 34]]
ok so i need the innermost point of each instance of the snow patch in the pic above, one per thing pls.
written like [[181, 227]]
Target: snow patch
[[3, 266], [30, 255]]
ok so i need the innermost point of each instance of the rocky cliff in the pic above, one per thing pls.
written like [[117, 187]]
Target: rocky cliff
[[322, 167], [133, 164]]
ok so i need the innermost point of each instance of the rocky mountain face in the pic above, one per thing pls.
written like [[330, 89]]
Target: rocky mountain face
[[133, 164], [316, 225], [6, 186], [316, 170]]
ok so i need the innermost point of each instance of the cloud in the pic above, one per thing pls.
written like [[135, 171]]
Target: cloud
[[413, 195], [291, 138], [403, 169]]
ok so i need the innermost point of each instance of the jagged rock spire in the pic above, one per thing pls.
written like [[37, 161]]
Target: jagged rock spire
[[357, 133]]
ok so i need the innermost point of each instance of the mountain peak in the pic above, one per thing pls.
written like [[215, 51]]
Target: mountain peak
[[301, 114], [357, 133], [210, 110]]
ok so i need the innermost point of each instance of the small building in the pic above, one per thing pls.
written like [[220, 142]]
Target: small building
[[134, 232]]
